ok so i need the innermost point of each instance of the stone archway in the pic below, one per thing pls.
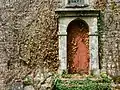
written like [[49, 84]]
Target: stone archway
[[90, 17], [78, 47]]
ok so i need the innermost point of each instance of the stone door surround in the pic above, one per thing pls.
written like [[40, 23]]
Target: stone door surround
[[91, 18]]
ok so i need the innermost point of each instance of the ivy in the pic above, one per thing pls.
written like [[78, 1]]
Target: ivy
[[104, 83]]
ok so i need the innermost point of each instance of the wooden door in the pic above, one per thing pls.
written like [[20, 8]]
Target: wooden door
[[78, 48]]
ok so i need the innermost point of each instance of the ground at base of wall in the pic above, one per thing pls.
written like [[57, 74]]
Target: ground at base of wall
[[84, 82]]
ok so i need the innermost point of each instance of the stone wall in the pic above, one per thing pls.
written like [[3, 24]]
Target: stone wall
[[29, 41], [111, 38], [109, 31]]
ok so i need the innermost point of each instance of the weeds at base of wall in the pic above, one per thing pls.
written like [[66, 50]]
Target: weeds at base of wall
[[104, 83], [81, 85]]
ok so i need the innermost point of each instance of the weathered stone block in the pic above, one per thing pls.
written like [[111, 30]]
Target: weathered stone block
[[17, 86], [30, 87]]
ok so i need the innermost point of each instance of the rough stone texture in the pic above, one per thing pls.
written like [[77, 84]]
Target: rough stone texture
[[29, 41], [17, 86], [29, 88], [110, 37]]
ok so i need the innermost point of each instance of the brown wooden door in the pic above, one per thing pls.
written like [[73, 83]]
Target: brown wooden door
[[78, 49]]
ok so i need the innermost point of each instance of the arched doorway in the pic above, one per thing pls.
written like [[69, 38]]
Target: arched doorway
[[78, 47]]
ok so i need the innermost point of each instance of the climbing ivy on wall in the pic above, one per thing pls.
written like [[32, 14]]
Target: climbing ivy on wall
[[109, 25], [30, 41], [30, 36]]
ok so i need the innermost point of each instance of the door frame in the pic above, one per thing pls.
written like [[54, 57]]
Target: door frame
[[91, 18]]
